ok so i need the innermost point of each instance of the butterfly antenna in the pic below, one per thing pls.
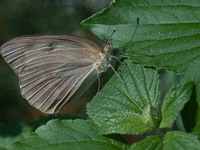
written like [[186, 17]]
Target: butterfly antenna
[[111, 34], [135, 29], [111, 23]]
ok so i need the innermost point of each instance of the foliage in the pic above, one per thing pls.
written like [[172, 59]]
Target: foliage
[[144, 102]]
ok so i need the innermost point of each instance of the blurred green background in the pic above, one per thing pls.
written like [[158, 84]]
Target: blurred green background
[[27, 17]]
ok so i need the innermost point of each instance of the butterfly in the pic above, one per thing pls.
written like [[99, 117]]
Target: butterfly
[[54, 70]]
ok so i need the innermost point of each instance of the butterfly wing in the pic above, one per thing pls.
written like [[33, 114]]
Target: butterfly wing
[[51, 76], [18, 51], [49, 80]]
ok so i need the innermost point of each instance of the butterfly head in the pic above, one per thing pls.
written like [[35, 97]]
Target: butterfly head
[[107, 48]]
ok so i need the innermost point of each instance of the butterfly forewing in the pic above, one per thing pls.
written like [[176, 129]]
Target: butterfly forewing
[[19, 51], [52, 68]]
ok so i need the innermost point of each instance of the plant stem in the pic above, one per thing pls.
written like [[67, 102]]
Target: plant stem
[[159, 132]]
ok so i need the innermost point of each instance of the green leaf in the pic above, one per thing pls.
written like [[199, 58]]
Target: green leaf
[[168, 79], [193, 75], [139, 91], [124, 123], [68, 134], [172, 141], [13, 131], [151, 117], [174, 103], [167, 35], [150, 143], [177, 140]]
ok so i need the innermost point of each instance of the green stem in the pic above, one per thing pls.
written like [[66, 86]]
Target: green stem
[[159, 132]]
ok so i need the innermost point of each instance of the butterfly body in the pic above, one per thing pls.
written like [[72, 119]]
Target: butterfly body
[[54, 70]]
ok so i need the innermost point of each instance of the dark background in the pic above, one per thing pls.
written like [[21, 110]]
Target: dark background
[[27, 17]]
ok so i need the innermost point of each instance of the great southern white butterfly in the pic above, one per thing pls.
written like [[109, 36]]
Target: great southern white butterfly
[[54, 70]]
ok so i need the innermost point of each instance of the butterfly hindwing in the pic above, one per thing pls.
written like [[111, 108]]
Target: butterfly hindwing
[[47, 80]]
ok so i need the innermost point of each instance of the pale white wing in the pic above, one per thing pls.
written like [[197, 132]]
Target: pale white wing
[[51, 79], [18, 51], [52, 68]]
